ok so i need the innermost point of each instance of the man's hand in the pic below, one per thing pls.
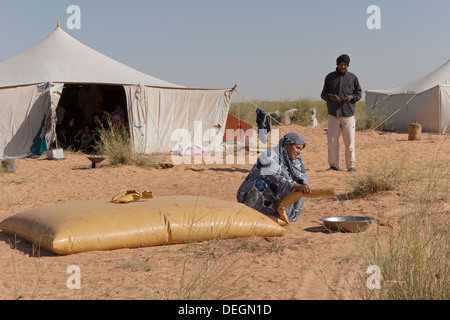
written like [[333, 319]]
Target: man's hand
[[335, 98], [348, 99]]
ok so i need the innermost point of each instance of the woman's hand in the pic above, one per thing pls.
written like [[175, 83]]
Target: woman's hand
[[302, 188]]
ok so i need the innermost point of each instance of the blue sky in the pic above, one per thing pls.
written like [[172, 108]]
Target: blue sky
[[271, 49]]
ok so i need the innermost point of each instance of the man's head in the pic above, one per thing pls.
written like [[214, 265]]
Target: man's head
[[343, 62]]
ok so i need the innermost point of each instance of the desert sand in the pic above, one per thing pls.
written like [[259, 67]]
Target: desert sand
[[308, 262]]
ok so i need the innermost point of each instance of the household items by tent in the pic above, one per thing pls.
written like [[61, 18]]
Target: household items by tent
[[286, 117], [264, 126]]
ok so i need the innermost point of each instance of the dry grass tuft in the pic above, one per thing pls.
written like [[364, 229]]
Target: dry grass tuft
[[413, 256], [117, 146], [383, 176]]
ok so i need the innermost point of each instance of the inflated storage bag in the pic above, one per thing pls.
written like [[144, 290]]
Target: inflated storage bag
[[104, 225]]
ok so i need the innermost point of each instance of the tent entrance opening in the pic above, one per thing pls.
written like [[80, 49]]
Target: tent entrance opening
[[85, 105]]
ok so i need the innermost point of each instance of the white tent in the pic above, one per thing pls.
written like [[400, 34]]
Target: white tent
[[426, 100], [161, 114]]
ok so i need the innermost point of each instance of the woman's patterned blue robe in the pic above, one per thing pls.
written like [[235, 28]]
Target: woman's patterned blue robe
[[272, 178]]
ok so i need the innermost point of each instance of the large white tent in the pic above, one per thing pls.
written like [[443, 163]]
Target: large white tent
[[425, 100], [161, 114]]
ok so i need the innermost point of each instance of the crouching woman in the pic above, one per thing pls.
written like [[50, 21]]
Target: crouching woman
[[278, 172]]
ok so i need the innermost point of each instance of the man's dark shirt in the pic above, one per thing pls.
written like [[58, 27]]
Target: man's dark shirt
[[342, 85]]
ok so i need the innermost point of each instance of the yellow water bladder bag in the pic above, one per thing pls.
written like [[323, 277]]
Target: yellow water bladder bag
[[105, 225]]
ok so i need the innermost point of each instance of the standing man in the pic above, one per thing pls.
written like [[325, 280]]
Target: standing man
[[341, 91]]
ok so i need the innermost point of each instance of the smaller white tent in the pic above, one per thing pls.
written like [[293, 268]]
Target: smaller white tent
[[426, 100]]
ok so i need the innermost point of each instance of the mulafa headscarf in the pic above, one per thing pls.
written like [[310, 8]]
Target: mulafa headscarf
[[294, 165], [277, 158]]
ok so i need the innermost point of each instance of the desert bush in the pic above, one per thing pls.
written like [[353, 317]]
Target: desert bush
[[365, 121], [387, 175], [413, 258], [413, 255], [117, 146]]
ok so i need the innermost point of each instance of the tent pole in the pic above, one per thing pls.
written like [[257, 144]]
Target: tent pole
[[440, 109]]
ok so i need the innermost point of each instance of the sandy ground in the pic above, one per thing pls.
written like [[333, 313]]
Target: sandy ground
[[306, 263]]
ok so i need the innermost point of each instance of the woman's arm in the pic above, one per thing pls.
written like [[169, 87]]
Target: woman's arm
[[302, 188]]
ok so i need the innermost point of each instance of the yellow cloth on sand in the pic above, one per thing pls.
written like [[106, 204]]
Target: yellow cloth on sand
[[127, 196]]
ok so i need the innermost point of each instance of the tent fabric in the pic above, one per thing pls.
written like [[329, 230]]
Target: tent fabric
[[176, 117], [425, 100], [438, 76], [47, 132], [445, 111], [239, 130], [61, 58], [159, 112], [23, 110]]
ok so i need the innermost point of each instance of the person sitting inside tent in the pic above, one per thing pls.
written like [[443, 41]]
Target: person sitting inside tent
[[68, 131], [85, 138], [105, 119], [116, 122], [118, 112], [96, 125], [278, 172]]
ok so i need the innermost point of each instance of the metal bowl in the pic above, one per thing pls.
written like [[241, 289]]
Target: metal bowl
[[347, 223]]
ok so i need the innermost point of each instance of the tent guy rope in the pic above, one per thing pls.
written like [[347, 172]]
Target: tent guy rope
[[404, 105], [267, 115]]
